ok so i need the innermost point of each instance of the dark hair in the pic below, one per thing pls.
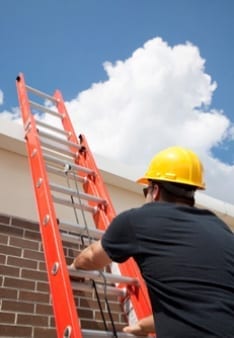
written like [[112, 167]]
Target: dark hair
[[176, 192]]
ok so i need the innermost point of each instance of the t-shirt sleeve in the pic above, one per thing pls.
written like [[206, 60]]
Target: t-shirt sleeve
[[119, 240]]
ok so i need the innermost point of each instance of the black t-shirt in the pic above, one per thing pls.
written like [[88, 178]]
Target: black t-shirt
[[186, 256]]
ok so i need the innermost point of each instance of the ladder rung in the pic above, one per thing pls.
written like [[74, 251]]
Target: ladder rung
[[80, 206], [110, 290], [97, 275], [60, 150], [106, 334], [73, 192], [80, 230], [57, 130], [60, 172], [41, 94], [69, 164], [44, 109], [59, 140], [75, 239]]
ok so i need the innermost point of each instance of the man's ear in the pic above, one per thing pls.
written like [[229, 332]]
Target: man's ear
[[156, 192]]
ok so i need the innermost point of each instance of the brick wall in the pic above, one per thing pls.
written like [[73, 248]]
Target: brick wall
[[25, 306]]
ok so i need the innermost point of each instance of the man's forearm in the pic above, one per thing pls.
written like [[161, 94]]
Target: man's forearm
[[92, 258], [85, 260]]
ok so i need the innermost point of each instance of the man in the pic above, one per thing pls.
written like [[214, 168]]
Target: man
[[185, 254]]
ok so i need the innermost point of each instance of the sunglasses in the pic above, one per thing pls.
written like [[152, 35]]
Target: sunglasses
[[147, 190]]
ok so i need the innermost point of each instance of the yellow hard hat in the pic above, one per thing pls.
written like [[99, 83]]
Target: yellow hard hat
[[176, 165]]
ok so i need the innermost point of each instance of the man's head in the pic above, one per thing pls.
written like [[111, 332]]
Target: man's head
[[173, 175]]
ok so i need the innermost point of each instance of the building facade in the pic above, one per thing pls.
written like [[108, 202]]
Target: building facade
[[25, 306]]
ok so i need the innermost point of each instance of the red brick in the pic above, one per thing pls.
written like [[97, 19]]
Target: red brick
[[15, 331], [42, 266], [98, 316], [23, 243], [22, 262], [7, 317], [91, 324], [19, 283], [9, 250], [8, 293], [10, 271], [52, 322], [35, 235], [43, 287], [15, 306], [11, 230], [86, 313], [34, 297], [4, 219], [25, 224], [2, 259], [34, 275], [32, 320], [40, 332], [39, 256], [3, 239], [90, 303], [44, 309]]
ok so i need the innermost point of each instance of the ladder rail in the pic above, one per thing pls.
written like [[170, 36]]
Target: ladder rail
[[66, 321]]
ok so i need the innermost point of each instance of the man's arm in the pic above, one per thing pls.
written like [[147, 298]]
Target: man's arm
[[93, 257]]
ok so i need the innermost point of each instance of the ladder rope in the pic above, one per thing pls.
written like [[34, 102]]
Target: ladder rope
[[114, 331], [115, 335], [82, 212], [99, 304]]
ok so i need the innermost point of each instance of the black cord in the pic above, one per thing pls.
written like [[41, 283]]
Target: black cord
[[100, 305], [115, 335]]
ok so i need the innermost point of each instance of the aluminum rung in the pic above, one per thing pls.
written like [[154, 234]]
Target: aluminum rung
[[80, 230], [110, 290], [60, 150], [106, 334], [97, 275], [80, 206], [79, 194], [44, 109], [59, 140], [41, 94], [57, 130], [61, 173], [69, 164], [76, 239]]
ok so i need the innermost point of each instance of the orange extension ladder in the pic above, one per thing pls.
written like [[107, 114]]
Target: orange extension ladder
[[46, 143]]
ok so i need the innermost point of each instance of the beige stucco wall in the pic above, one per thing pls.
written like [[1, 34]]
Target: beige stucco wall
[[16, 193]]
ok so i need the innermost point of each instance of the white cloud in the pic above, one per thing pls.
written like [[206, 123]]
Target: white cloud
[[1, 97], [14, 114], [158, 97]]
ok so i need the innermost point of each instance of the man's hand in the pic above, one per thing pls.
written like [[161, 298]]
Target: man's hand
[[142, 328]]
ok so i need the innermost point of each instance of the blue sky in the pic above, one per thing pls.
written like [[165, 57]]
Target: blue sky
[[65, 44]]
